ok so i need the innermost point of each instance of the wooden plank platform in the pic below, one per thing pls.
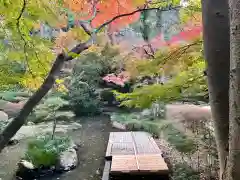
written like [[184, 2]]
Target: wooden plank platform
[[134, 153], [139, 164], [122, 143], [106, 170]]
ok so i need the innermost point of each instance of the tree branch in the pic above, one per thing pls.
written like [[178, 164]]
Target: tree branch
[[134, 12]]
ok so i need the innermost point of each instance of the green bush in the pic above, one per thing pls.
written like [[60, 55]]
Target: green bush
[[182, 171], [82, 90], [107, 95], [181, 142], [44, 151], [83, 99], [48, 110]]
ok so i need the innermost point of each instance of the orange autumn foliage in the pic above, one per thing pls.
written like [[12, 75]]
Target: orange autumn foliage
[[107, 9]]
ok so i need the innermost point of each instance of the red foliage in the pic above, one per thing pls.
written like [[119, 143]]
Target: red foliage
[[120, 79], [107, 9], [188, 34]]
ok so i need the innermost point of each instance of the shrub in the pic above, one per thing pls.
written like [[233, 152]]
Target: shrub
[[182, 171], [83, 98], [107, 95], [181, 142], [44, 151]]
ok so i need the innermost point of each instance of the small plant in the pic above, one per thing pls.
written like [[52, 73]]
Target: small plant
[[45, 151], [182, 171]]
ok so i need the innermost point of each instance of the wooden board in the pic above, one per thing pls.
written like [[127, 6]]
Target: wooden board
[[118, 141], [106, 170], [143, 164], [123, 143]]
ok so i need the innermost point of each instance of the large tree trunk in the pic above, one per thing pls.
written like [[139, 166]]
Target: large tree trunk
[[234, 92], [216, 50]]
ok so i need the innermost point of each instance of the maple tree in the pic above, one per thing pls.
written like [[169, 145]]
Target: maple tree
[[180, 57], [20, 18]]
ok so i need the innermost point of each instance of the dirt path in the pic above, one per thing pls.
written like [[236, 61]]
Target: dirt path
[[94, 138]]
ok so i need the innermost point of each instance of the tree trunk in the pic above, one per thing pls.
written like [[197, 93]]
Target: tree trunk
[[234, 92], [216, 50], [19, 121]]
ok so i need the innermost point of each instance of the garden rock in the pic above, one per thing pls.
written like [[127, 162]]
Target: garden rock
[[3, 116], [146, 113], [68, 159], [25, 170], [118, 125], [12, 109], [43, 128]]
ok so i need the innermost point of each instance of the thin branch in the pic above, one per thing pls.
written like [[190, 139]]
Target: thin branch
[[21, 35], [132, 13], [21, 12], [87, 30]]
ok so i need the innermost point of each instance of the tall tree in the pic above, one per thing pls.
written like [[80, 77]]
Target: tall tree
[[216, 51], [62, 57], [234, 92]]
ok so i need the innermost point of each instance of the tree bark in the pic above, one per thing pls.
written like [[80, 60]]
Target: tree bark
[[216, 49], [234, 92]]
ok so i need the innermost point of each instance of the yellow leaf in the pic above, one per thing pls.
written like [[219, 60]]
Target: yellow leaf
[[139, 2], [59, 81]]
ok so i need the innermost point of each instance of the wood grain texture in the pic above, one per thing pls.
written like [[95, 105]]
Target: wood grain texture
[[135, 152]]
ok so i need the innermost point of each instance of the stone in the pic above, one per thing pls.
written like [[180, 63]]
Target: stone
[[30, 123], [43, 128], [68, 159], [146, 113], [118, 125], [25, 164], [3, 116], [25, 170], [12, 109]]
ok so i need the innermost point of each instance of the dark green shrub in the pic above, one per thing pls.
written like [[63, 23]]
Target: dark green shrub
[[108, 96], [182, 171], [83, 98], [44, 151], [82, 89]]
